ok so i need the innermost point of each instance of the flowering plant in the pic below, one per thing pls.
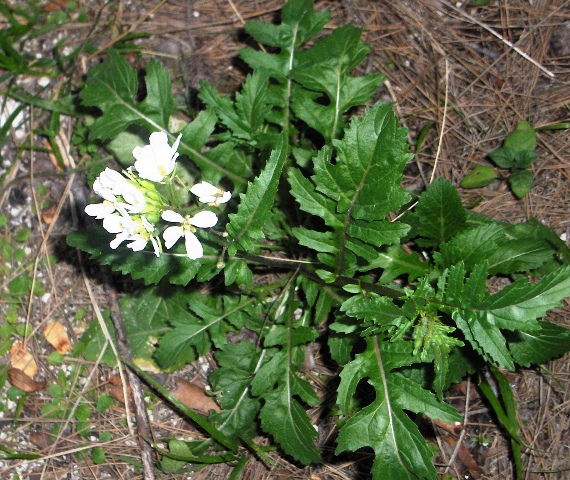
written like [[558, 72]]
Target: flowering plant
[[391, 293], [133, 205]]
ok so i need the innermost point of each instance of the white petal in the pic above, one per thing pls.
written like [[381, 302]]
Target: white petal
[[148, 169], [113, 223], [204, 189], [120, 238], [171, 236], [158, 139], [137, 245], [207, 193], [134, 197], [155, 245], [176, 143], [100, 210], [102, 191], [194, 248], [204, 219], [116, 223], [224, 198], [112, 179], [172, 216], [149, 227]]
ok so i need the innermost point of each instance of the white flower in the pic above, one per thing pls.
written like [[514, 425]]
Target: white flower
[[141, 237], [108, 185], [136, 231], [186, 229], [156, 160], [122, 225], [207, 193]]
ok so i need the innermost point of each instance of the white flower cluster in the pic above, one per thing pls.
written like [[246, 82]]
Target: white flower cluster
[[132, 205]]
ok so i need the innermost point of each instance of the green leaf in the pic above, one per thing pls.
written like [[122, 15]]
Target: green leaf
[[251, 101], [400, 449], [540, 345], [507, 248], [518, 305], [289, 424], [312, 201], [122, 145], [340, 347], [396, 262], [104, 402], [110, 83], [158, 102], [92, 342], [525, 158], [299, 23], [521, 182], [354, 194], [282, 389], [98, 456], [365, 178], [439, 213], [282, 414], [376, 310], [196, 133], [471, 246], [193, 334], [509, 416], [237, 271], [478, 3], [484, 337], [147, 316], [112, 87], [503, 157], [325, 68], [523, 137], [225, 110], [480, 176], [481, 316], [237, 364], [255, 205], [510, 425]]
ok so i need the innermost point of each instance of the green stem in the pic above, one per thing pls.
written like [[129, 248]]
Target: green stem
[[201, 421], [309, 272], [240, 465]]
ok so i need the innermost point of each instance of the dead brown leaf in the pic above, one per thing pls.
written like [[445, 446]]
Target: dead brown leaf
[[55, 6], [48, 214], [44, 440], [21, 380], [22, 359], [194, 397], [57, 337], [465, 457], [116, 388]]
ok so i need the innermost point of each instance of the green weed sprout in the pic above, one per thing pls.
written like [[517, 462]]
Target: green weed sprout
[[516, 155]]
